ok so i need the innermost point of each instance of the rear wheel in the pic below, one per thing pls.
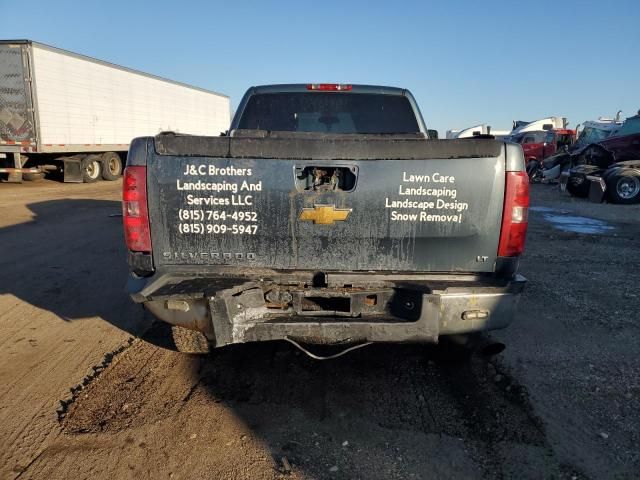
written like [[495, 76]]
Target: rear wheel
[[624, 187], [111, 166], [91, 168], [189, 341]]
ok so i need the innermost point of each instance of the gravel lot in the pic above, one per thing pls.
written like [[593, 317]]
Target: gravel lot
[[88, 390]]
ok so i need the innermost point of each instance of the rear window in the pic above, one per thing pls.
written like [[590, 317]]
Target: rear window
[[329, 113]]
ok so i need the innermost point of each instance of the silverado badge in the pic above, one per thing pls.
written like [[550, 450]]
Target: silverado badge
[[324, 214]]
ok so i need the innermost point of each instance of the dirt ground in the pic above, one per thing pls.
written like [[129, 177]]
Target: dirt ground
[[88, 391]]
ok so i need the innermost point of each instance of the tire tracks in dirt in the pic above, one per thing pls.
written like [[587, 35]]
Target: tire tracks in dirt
[[386, 404]]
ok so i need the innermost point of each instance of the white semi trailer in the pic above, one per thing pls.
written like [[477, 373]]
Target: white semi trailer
[[61, 111]]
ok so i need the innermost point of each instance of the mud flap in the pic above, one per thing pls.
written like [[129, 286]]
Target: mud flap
[[10, 164], [563, 180], [72, 170], [597, 188]]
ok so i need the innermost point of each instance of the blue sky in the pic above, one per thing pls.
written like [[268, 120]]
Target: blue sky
[[467, 62]]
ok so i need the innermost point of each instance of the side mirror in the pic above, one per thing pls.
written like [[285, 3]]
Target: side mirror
[[432, 134]]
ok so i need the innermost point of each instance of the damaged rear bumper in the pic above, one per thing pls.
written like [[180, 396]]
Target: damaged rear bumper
[[333, 309]]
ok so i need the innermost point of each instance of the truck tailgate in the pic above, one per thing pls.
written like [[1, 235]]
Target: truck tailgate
[[326, 205]]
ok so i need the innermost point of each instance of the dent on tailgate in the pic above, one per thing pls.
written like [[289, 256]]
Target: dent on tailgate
[[429, 214]]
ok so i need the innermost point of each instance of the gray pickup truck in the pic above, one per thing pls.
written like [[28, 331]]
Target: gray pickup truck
[[326, 215]]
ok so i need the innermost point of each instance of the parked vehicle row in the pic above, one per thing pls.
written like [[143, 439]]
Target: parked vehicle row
[[592, 131], [601, 162]]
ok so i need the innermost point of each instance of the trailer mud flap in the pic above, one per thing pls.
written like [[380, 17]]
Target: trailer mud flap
[[597, 188], [72, 170]]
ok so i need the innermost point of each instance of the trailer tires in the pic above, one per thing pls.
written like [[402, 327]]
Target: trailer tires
[[623, 187], [189, 341], [111, 166], [91, 169], [33, 177]]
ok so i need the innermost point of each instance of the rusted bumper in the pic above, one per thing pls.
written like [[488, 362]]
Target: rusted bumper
[[338, 308]]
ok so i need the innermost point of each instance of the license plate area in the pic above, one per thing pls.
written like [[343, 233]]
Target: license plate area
[[391, 303]]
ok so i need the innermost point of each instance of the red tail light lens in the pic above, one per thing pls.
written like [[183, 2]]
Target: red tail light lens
[[515, 215], [329, 87], [135, 214]]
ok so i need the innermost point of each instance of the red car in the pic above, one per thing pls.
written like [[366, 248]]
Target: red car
[[539, 145]]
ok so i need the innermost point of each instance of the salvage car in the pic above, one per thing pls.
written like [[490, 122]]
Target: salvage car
[[556, 139], [538, 145], [591, 133], [326, 215], [613, 162]]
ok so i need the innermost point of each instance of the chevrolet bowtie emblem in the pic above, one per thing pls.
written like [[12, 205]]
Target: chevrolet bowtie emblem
[[324, 214]]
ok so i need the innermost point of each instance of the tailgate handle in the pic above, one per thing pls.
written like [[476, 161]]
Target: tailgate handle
[[325, 178]]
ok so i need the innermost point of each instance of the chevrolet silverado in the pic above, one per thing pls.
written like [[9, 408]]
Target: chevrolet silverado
[[326, 215]]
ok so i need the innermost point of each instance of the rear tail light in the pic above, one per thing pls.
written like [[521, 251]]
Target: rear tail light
[[135, 214], [515, 215], [329, 87]]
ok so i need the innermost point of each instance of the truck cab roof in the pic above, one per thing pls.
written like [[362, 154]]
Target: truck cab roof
[[309, 87]]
